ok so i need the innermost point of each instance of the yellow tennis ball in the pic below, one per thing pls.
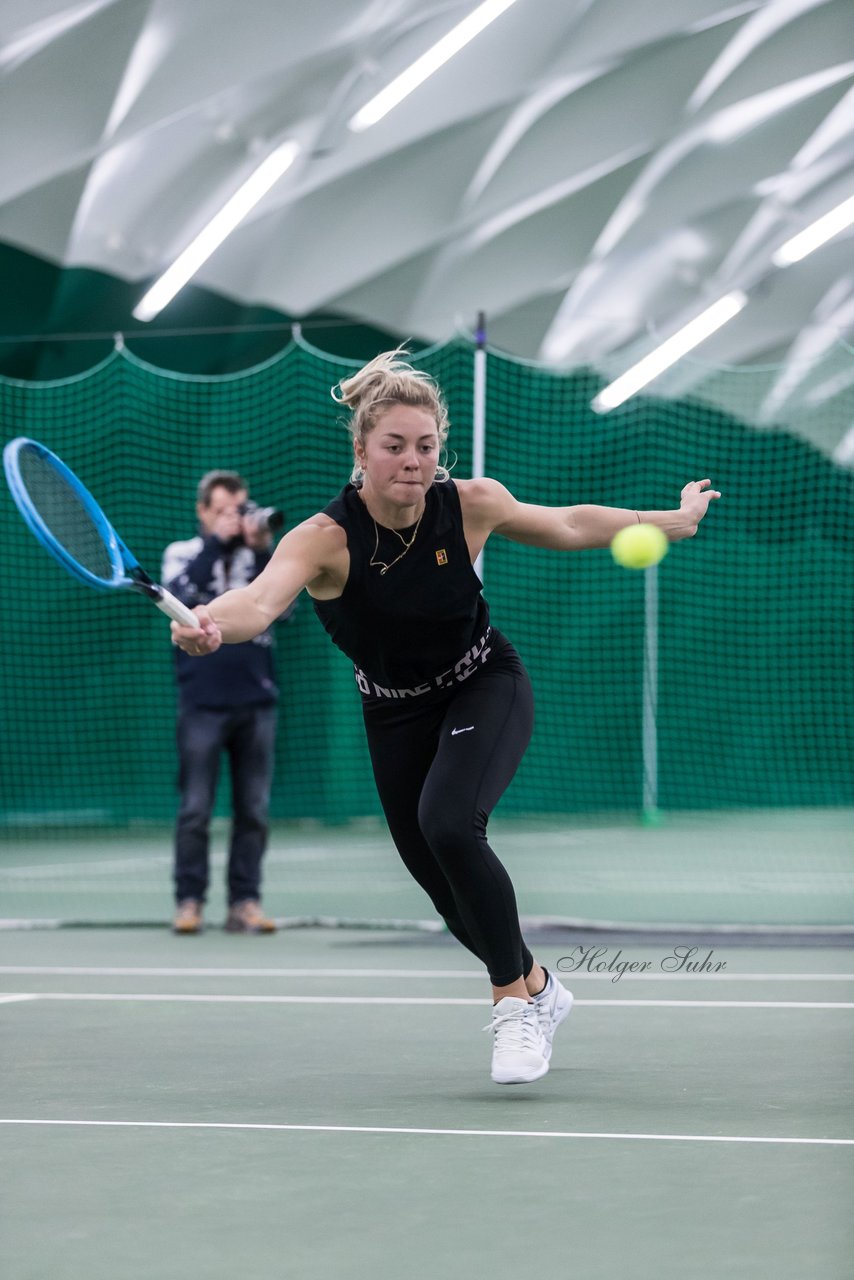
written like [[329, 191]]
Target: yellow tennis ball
[[639, 545]]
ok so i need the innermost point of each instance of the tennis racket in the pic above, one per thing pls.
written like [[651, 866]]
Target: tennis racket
[[68, 522]]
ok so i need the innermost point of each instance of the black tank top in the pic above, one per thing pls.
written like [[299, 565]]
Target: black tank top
[[425, 615]]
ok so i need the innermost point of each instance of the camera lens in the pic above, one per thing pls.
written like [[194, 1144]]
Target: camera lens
[[273, 519], [265, 519]]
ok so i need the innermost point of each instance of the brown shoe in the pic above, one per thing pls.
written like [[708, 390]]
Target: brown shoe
[[188, 917], [247, 917]]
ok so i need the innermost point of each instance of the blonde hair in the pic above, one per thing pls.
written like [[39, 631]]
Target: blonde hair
[[388, 380]]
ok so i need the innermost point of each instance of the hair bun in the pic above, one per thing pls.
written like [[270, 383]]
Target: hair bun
[[375, 377]]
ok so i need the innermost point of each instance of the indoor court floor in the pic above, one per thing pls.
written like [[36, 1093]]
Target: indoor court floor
[[318, 1104]]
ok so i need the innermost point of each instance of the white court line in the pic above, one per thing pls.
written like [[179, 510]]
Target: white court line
[[162, 972], [172, 998], [456, 1133], [728, 1004], [13, 997]]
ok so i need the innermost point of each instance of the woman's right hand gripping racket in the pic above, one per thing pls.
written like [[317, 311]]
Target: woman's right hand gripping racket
[[69, 524]]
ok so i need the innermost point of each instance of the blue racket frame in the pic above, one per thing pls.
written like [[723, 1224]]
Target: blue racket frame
[[116, 552], [127, 571]]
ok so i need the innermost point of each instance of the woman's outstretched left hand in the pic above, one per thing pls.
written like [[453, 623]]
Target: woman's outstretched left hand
[[694, 502]]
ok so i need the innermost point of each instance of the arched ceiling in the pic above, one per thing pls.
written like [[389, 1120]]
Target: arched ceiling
[[591, 173]]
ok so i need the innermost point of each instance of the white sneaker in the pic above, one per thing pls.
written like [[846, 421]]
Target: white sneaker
[[553, 1005], [519, 1052]]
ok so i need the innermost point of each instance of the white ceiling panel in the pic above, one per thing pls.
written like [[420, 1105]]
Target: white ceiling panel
[[590, 172]]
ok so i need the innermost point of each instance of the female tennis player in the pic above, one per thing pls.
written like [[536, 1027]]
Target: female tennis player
[[447, 703]]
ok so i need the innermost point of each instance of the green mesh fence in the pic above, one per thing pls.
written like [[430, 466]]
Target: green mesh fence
[[755, 637]]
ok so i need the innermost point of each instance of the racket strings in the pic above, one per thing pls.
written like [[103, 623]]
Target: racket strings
[[64, 514]]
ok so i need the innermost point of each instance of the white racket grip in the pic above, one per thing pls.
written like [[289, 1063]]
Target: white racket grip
[[175, 610]]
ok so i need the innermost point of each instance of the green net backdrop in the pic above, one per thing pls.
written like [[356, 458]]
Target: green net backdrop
[[755, 674]]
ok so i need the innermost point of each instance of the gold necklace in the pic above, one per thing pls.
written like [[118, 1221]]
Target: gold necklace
[[374, 563]]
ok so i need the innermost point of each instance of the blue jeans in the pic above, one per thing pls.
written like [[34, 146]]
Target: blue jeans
[[247, 735]]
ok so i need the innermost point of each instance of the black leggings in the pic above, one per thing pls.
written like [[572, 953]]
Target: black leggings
[[441, 764]]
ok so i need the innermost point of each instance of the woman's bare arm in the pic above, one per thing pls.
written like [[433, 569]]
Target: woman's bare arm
[[313, 552], [488, 507]]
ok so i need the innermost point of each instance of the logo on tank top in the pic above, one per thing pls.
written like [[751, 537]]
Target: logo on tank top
[[442, 556], [471, 660]]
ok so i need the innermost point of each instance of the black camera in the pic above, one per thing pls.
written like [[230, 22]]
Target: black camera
[[265, 519]]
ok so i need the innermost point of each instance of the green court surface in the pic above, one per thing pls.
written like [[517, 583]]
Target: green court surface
[[318, 1104], [780, 867]]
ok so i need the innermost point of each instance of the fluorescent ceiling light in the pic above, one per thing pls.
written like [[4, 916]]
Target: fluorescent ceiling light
[[38, 35], [428, 63], [700, 328], [815, 235], [232, 213]]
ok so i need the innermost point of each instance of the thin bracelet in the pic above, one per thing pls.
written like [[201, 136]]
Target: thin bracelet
[[637, 513]]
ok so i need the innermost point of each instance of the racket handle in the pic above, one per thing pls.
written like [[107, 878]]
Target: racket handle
[[175, 610]]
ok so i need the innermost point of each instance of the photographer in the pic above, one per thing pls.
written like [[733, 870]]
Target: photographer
[[228, 705]]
